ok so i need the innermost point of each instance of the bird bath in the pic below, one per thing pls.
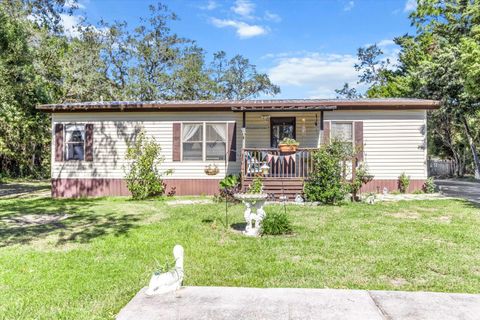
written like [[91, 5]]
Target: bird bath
[[254, 213]]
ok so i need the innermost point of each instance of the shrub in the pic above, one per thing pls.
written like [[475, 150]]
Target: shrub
[[143, 176], [228, 186], [325, 183], [429, 186], [361, 178], [256, 186], [403, 182], [417, 191], [276, 223]]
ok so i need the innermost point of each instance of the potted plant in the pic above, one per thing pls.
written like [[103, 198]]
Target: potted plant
[[288, 145]]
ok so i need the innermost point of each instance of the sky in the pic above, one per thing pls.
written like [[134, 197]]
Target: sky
[[306, 47]]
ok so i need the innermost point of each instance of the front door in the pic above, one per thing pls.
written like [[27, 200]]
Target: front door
[[281, 128]]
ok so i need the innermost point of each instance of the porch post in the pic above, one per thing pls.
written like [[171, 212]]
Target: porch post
[[244, 129], [321, 121]]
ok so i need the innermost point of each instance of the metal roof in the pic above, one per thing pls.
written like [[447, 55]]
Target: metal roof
[[242, 105]]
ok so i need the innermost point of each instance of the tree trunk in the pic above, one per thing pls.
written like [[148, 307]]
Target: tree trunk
[[473, 148]]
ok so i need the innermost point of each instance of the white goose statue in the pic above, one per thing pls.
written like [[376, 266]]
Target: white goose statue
[[168, 281]]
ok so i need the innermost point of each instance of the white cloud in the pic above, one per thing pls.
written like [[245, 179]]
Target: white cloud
[[410, 5], [244, 30], [269, 16], [385, 43], [349, 6], [243, 8], [318, 75], [210, 5], [73, 4], [70, 24]]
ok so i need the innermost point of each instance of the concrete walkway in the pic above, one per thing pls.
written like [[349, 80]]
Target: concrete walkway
[[469, 190], [278, 304]]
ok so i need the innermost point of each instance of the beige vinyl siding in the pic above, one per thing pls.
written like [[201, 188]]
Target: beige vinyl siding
[[258, 129], [112, 131], [394, 140]]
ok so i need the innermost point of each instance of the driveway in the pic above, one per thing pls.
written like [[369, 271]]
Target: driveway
[[215, 303], [468, 190]]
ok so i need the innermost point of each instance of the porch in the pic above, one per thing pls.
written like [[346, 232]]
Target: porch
[[263, 127], [283, 174]]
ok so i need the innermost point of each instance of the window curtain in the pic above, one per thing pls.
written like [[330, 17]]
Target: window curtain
[[189, 130], [342, 131], [75, 133], [220, 129]]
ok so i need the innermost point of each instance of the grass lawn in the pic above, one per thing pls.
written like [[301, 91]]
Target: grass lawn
[[99, 252]]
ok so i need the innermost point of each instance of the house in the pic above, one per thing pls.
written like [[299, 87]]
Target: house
[[89, 141]]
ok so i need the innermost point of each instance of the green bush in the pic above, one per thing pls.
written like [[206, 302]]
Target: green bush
[[429, 186], [276, 223], [228, 186], [256, 186], [325, 183], [143, 176], [403, 182], [361, 177]]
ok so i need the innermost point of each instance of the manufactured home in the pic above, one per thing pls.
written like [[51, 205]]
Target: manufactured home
[[202, 141]]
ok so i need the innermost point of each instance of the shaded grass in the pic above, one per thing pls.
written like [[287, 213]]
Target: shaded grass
[[91, 264]]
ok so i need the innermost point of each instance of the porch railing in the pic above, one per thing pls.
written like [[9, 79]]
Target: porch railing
[[271, 163]]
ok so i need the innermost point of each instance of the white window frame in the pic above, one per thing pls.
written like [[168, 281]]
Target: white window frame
[[66, 143], [343, 122], [204, 140]]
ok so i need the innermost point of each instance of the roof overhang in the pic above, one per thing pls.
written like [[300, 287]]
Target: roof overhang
[[282, 108], [297, 105]]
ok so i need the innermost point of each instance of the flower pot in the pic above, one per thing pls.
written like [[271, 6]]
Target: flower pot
[[287, 147]]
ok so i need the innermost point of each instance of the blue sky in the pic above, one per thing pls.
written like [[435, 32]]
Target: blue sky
[[307, 47]]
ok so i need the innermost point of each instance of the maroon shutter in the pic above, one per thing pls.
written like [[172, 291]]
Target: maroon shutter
[[177, 141], [232, 142], [326, 132], [89, 142], [58, 142], [358, 128]]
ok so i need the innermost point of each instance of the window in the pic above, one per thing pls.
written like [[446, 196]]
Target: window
[[75, 142], [216, 141], [192, 138], [342, 131], [204, 141]]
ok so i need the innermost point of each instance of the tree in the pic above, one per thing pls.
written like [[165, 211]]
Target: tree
[[372, 70], [347, 92], [83, 69], [371, 65], [440, 62], [238, 79], [26, 79], [40, 64]]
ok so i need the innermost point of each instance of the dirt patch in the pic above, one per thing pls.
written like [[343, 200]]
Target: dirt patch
[[24, 189], [444, 219], [35, 219], [405, 215], [398, 282]]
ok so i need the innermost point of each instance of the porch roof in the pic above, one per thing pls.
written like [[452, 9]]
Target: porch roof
[[243, 105]]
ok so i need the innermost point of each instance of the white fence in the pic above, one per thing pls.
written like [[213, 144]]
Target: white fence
[[441, 168]]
